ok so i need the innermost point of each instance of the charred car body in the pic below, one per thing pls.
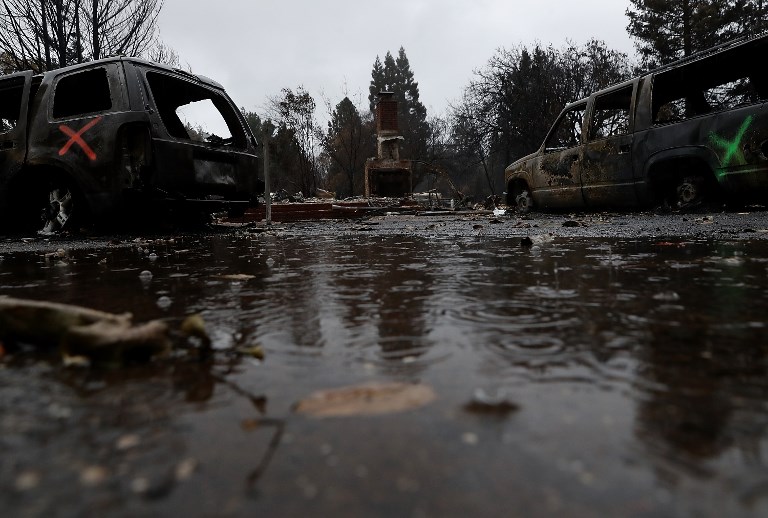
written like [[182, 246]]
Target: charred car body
[[95, 139], [690, 130]]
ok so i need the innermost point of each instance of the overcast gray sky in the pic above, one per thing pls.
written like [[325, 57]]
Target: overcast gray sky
[[256, 47]]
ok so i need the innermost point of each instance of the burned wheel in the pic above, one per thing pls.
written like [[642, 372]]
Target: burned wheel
[[690, 191], [523, 202], [60, 209], [47, 204]]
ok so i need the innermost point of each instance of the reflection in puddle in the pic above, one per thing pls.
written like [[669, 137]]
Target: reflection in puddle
[[632, 376]]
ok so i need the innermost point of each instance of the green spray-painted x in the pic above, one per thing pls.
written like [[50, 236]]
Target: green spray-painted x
[[732, 148]]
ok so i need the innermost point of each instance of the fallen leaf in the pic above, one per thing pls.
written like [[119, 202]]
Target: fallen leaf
[[497, 404], [366, 399], [254, 351], [194, 325], [250, 425], [81, 331]]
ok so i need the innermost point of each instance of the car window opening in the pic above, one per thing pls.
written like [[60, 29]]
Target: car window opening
[[193, 112], [568, 131], [717, 84], [611, 117], [11, 95], [82, 93]]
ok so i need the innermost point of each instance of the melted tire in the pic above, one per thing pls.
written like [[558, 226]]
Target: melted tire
[[690, 192], [523, 202]]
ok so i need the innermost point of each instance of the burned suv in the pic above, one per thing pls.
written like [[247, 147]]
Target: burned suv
[[694, 129], [116, 137]]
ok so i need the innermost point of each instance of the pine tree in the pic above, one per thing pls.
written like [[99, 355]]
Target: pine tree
[[377, 82], [666, 30], [347, 144]]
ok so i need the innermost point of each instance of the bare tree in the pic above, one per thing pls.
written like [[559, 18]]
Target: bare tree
[[509, 105], [121, 27], [47, 34], [162, 53], [295, 113]]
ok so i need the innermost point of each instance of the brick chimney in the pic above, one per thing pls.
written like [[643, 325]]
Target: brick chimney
[[387, 127]]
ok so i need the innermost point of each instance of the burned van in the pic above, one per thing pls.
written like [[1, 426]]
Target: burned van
[[117, 137], [692, 130]]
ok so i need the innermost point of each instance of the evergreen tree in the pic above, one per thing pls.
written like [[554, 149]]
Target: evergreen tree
[[755, 17], [667, 30], [347, 144], [396, 76]]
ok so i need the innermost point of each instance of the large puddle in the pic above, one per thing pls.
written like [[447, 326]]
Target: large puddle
[[573, 378]]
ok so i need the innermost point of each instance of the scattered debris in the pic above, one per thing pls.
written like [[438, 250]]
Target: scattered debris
[[483, 403], [93, 476], [185, 469], [75, 361], [58, 254], [366, 399], [490, 203], [79, 331]]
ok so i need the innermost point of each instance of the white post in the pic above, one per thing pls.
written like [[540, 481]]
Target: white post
[[267, 192]]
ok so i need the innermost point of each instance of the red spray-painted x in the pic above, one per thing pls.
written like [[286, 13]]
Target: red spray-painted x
[[77, 138]]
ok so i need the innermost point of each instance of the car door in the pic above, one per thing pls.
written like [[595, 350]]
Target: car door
[[201, 148], [557, 178], [607, 170], [76, 131], [14, 104]]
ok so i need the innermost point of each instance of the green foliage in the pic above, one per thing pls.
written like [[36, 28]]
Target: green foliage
[[667, 30]]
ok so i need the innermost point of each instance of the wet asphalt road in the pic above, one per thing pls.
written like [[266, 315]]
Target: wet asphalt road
[[749, 224], [587, 365]]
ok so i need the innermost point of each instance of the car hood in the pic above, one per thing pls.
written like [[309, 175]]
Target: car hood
[[517, 163]]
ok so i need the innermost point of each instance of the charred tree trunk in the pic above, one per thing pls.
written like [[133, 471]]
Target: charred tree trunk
[[96, 29], [78, 33], [687, 32], [61, 42], [44, 35]]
